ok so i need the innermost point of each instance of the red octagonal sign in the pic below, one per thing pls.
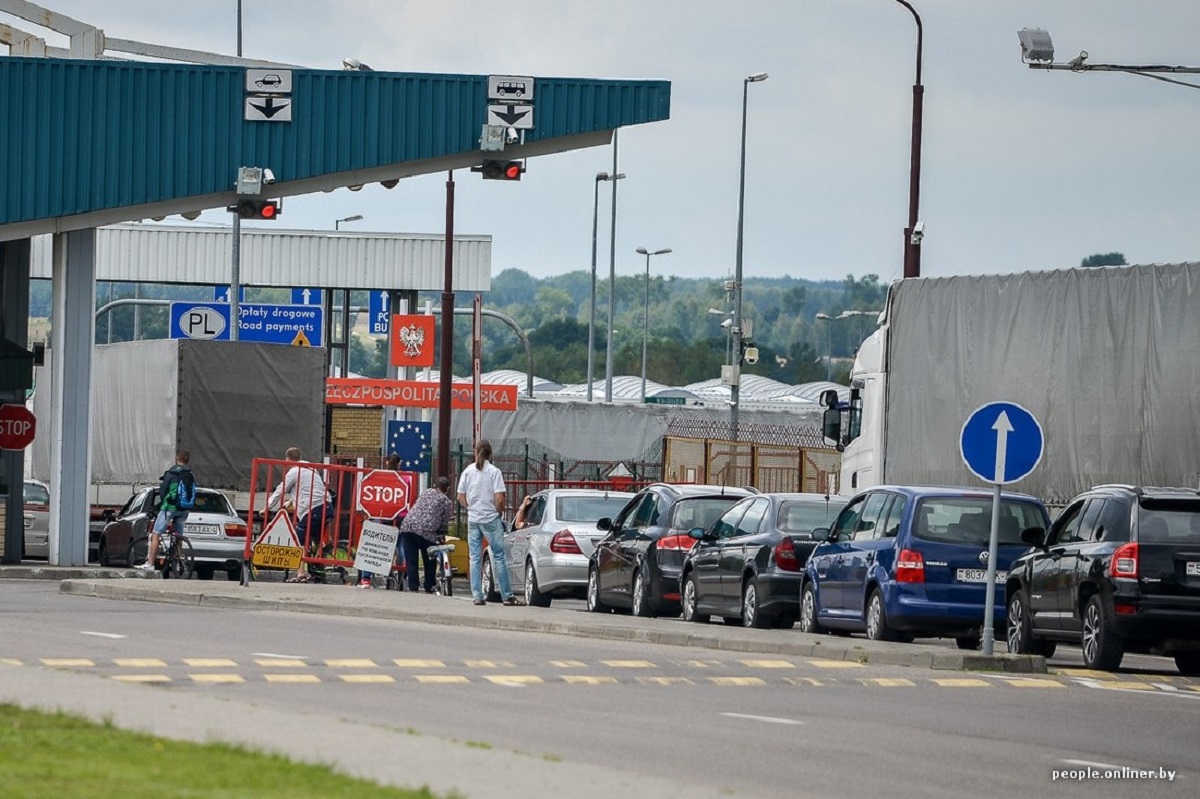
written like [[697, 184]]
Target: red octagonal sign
[[17, 427], [384, 494]]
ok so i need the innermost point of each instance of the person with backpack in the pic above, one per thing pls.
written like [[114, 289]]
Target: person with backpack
[[176, 496]]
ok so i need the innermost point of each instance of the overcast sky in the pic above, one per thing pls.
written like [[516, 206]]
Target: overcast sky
[[1022, 169]]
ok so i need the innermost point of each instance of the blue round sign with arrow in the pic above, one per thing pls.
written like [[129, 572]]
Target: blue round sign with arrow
[[1001, 443]]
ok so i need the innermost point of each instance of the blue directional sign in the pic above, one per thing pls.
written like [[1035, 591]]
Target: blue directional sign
[[306, 296], [221, 293], [270, 324], [1001, 443], [379, 313]]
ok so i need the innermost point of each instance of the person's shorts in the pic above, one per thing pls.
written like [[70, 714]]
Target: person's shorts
[[166, 517]]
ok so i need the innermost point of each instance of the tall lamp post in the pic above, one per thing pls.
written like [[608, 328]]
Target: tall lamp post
[[600, 176], [646, 311], [737, 305], [828, 320], [337, 223], [914, 233], [612, 282]]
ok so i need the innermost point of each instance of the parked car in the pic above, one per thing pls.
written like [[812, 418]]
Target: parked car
[[902, 562], [747, 567], [549, 556], [37, 519], [1118, 571], [216, 532], [636, 565]]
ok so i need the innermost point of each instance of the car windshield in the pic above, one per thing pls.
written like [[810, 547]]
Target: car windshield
[[207, 502], [699, 512], [1164, 521], [968, 520], [797, 516], [36, 494], [589, 509]]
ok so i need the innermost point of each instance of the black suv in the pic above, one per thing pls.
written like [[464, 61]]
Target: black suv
[[1118, 570]]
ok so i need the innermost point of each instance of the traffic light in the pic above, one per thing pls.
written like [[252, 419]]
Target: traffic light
[[257, 209], [502, 170]]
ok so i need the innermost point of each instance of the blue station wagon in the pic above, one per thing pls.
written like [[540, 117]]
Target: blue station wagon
[[902, 562]]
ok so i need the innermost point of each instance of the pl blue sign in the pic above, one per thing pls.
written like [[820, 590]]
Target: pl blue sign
[[378, 308], [269, 324]]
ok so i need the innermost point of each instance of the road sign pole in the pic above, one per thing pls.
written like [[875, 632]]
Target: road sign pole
[[989, 605]]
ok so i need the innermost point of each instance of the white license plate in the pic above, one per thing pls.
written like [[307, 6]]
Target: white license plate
[[977, 576], [202, 529], [1193, 569]]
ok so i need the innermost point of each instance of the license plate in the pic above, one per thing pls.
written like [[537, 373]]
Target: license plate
[[1193, 569], [202, 529], [977, 576]]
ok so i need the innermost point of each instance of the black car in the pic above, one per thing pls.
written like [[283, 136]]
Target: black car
[[1119, 570], [748, 566], [637, 563]]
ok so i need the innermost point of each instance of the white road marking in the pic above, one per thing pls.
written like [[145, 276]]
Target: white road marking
[[767, 719], [1091, 763], [1166, 690], [102, 635], [273, 655]]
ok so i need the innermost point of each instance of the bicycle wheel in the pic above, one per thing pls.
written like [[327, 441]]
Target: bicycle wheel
[[181, 562], [444, 579], [135, 555]]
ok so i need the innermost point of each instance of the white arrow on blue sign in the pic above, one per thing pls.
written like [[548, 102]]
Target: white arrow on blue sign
[[1001, 443], [306, 296]]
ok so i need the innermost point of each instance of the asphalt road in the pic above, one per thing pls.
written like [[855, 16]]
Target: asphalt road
[[756, 725]]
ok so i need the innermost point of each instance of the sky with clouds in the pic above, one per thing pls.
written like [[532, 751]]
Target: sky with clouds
[[1022, 169]]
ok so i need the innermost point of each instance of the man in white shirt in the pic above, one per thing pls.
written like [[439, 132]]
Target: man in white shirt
[[481, 491], [304, 494]]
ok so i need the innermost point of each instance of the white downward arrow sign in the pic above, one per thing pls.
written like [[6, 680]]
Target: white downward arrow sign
[[1002, 427]]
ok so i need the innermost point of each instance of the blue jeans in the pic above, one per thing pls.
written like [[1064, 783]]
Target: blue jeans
[[494, 532]]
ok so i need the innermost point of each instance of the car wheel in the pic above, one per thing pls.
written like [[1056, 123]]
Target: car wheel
[[752, 615], [877, 625], [1020, 629], [808, 611], [690, 596], [641, 598], [1188, 663], [533, 595], [969, 643], [1102, 647], [205, 572], [593, 592], [488, 581], [136, 554], [102, 553]]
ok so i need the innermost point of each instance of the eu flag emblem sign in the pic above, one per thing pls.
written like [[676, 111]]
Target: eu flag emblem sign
[[411, 441]]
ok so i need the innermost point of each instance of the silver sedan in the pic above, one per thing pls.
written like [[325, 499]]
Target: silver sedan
[[549, 557]]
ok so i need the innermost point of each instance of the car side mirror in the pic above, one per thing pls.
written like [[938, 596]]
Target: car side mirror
[[820, 534], [1035, 537], [696, 533], [108, 515], [604, 523], [831, 426]]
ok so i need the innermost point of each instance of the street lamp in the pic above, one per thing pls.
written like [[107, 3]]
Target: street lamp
[[337, 223], [646, 311], [592, 316], [915, 230], [612, 282], [725, 325], [1037, 51], [828, 320], [737, 306]]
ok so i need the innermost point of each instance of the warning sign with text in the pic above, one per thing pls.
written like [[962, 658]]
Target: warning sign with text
[[277, 546], [376, 546]]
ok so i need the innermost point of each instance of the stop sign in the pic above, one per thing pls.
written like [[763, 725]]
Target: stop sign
[[17, 427], [383, 494]]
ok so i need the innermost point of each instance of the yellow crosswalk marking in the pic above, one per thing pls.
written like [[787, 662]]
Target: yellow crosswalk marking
[[418, 663], [140, 663], [768, 664], [1091, 674], [211, 679], [281, 663], [292, 678], [141, 677], [210, 663], [367, 678], [1034, 683], [351, 663], [835, 664], [700, 664], [888, 682], [962, 682], [1129, 686], [66, 663], [741, 681], [803, 681], [664, 681], [628, 664], [441, 679], [588, 679], [518, 679], [10, 662], [487, 664], [568, 664]]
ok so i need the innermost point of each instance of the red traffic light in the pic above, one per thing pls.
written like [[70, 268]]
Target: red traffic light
[[502, 170], [258, 209]]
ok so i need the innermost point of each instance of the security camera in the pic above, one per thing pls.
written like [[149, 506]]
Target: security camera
[[918, 233], [268, 176], [751, 355], [511, 136]]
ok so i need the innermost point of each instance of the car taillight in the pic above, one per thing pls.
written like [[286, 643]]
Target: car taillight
[[785, 556], [674, 542], [910, 567], [235, 530], [1124, 562], [564, 543]]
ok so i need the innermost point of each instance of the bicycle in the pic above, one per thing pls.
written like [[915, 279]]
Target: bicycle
[[174, 553], [445, 572]]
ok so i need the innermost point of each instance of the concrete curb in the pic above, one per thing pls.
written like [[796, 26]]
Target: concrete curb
[[327, 600]]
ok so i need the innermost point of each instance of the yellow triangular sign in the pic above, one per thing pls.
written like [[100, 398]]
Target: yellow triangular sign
[[301, 340]]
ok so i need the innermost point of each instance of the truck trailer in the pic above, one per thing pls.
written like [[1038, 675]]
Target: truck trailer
[[1107, 359]]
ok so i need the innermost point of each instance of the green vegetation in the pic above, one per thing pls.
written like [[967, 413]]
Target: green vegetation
[[1105, 259], [68, 757]]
